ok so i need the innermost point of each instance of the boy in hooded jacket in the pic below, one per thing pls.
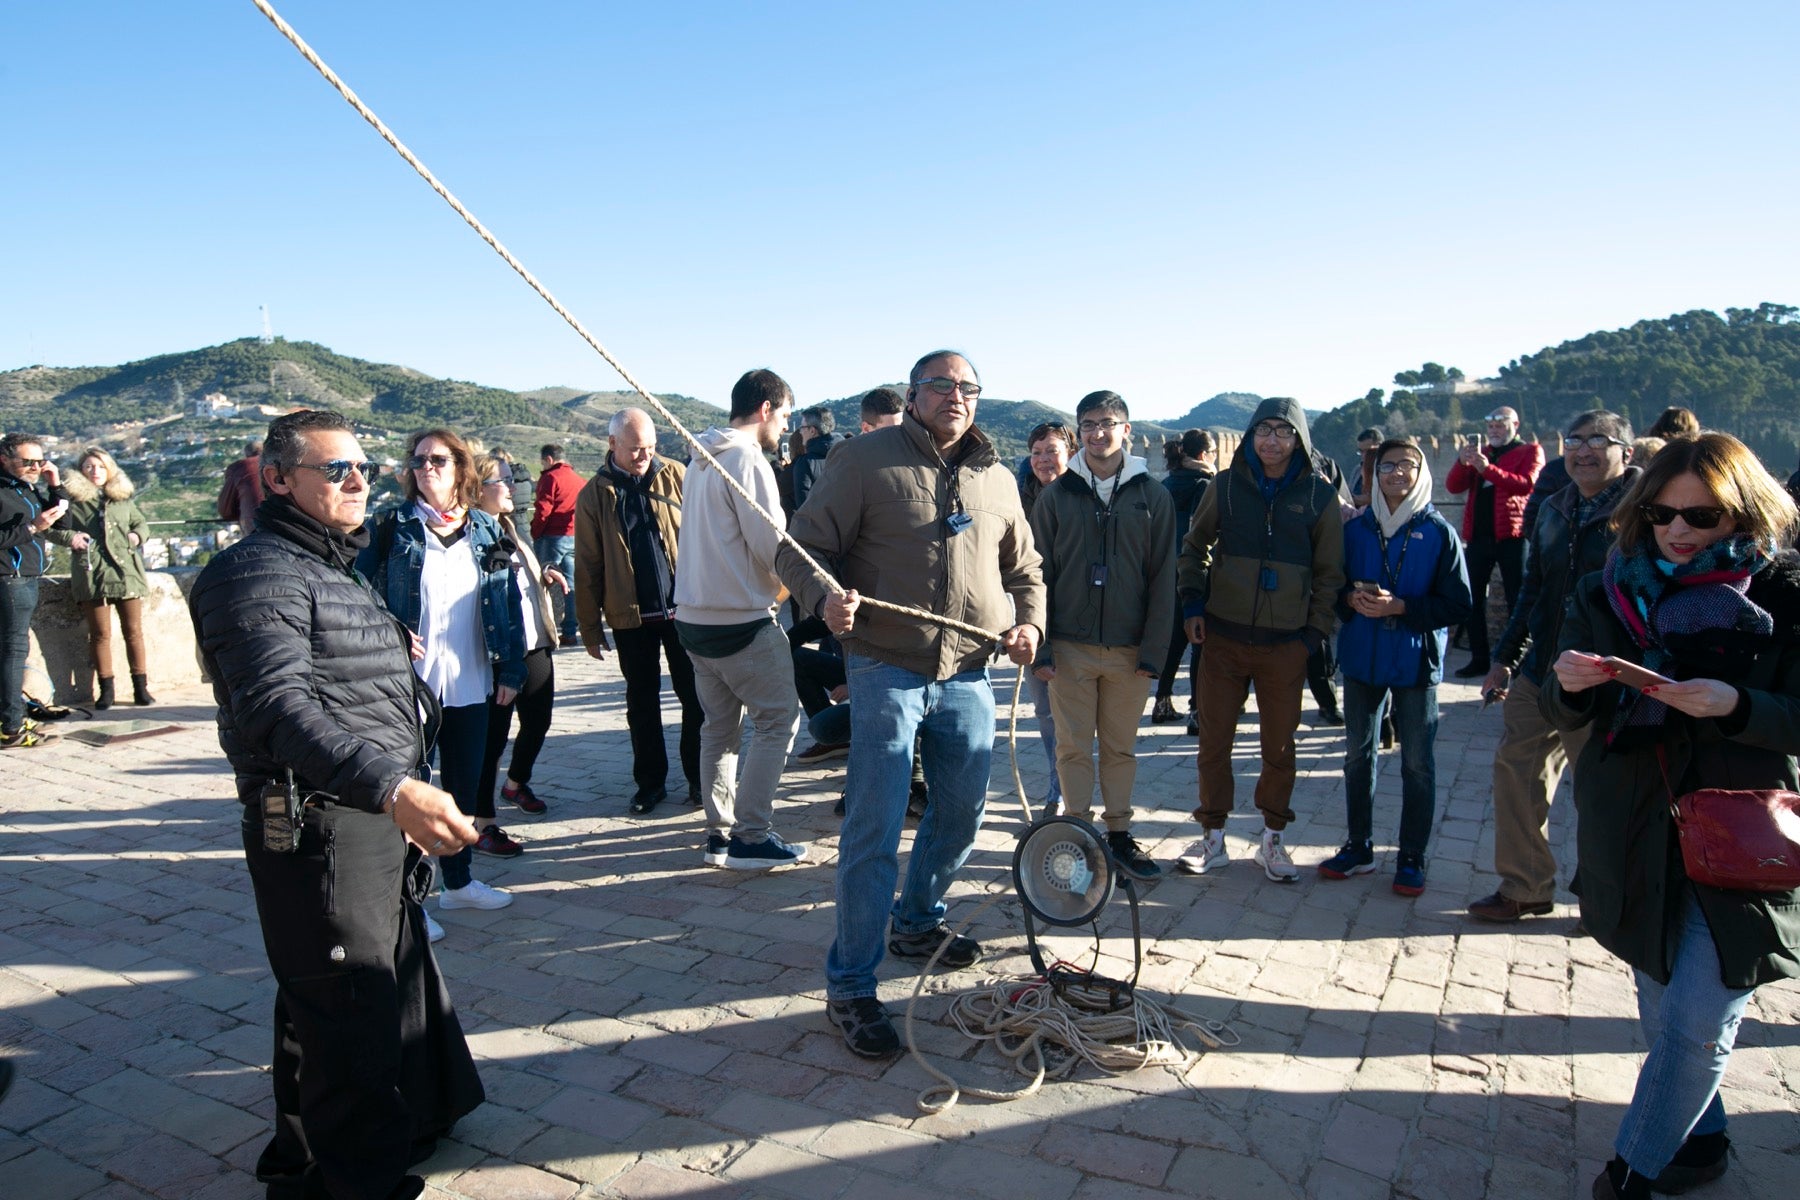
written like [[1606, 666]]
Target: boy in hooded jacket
[[1408, 585], [1259, 576]]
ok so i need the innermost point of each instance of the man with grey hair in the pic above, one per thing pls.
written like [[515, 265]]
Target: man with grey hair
[[816, 425], [1571, 539], [627, 524]]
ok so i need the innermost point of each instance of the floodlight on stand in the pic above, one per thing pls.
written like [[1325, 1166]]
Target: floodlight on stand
[[1065, 877]]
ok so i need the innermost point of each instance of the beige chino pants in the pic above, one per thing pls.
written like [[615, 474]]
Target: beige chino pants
[[1097, 692]]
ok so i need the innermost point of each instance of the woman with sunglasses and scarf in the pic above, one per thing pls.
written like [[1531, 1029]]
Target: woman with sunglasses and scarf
[[445, 568], [1695, 590]]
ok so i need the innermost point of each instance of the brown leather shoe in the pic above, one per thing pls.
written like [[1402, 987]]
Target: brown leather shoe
[[1498, 908]]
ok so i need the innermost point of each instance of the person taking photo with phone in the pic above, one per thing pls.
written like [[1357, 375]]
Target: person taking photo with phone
[[31, 503]]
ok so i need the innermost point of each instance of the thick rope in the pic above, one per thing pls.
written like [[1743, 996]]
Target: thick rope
[[1023, 1017], [412, 160]]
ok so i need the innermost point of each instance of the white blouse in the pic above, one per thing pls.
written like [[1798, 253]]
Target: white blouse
[[456, 666]]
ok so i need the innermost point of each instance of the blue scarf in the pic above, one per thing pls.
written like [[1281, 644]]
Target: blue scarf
[[1661, 602]]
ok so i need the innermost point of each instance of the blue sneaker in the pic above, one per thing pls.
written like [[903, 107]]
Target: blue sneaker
[[760, 856], [1409, 874], [717, 844], [1354, 859]]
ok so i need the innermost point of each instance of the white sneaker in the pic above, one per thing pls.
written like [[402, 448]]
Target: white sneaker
[[475, 895], [433, 930], [1207, 854], [1272, 856]]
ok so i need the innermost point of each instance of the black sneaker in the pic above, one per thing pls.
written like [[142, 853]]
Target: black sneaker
[[866, 1027], [1163, 712], [1130, 858], [961, 952], [1475, 670], [917, 800], [1193, 725]]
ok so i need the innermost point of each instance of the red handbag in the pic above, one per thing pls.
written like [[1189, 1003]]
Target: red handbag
[[1741, 841]]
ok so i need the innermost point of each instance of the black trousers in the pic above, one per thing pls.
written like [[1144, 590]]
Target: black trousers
[[370, 1066], [638, 649], [1321, 665], [1179, 646], [1484, 556], [815, 674], [534, 704]]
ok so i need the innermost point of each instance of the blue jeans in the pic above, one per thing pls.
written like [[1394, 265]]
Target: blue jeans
[[954, 719], [18, 600], [558, 553], [1039, 691], [1690, 1026], [1415, 724]]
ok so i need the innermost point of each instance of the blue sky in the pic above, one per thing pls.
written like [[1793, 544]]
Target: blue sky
[[1170, 200]]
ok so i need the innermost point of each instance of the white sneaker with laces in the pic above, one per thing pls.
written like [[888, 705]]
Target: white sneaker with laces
[[475, 895], [1273, 858], [433, 930], [1207, 854]]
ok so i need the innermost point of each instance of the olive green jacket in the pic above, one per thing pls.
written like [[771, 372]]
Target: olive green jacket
[[1630, 879], [111, 568]]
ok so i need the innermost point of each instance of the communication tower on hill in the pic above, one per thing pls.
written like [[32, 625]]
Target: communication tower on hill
[[268, 333]]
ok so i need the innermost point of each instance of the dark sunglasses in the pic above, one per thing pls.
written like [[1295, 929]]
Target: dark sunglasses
[[419, 462], [1697, 518], [338, 469]]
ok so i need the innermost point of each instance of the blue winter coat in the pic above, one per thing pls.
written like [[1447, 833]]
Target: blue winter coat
[[1423, 565], [395, 560]]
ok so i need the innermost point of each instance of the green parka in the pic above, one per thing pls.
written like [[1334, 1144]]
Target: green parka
[[1630, 879], [111, 568]]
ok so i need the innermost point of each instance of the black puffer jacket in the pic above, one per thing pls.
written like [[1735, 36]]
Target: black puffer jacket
[[310, 670]]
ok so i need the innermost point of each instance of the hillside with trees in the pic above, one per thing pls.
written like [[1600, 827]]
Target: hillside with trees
[[1738, 372]]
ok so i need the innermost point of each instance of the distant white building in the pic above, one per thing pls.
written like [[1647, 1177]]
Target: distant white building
[[215, 406]]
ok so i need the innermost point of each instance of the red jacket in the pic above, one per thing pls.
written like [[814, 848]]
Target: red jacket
[[553, 512], [1512, 475]]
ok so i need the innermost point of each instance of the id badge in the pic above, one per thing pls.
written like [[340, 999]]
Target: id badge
[[1271, 579]]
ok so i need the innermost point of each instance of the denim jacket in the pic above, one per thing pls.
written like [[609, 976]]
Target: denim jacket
[[394, 560]]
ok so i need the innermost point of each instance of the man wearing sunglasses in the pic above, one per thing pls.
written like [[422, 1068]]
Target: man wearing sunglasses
[[923, 514], [1498, 478], [1571, 539], [320, 716], [28, 513]]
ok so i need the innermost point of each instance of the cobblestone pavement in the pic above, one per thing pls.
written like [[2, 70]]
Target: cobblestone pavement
[[648, 1027]]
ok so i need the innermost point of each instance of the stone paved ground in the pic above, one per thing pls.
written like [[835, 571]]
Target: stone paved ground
[[650, 1028]]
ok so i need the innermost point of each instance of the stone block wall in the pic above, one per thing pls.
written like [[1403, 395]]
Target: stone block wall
[[59, 667]]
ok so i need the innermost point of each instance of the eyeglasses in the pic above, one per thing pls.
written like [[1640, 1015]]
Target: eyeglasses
[[1399, 464], [496, 482], [338, 469], [1281, 433], [1593, 441], [1696, 518], [434, 462], [1498, 418], [1106, 426], [944, 387]]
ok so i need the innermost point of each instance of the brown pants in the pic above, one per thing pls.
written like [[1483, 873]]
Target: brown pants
[[1227, 670], [98, 615], [1528, 767], [1097, 694]]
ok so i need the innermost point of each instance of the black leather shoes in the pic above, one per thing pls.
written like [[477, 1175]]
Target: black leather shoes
[[648, 798]]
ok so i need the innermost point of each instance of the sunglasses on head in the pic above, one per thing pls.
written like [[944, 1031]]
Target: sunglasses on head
[[1696, 518]]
